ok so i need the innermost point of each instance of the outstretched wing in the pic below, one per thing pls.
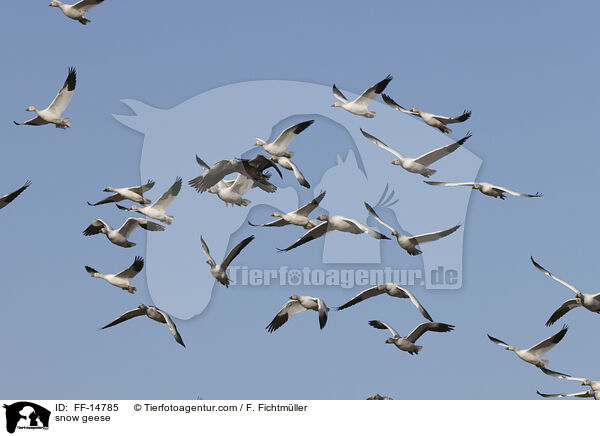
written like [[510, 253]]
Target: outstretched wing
[[86, 5], [286, 137], [379, 143], [288, 310], [338, 94], [298, 174], [309, 207], [165, 200], [517, 194], [323, 310], [452, 120], [549, 343], [552, 276], [202, 163], [428, 237], [133, 270], [391, 103], [435, 155], [372, 212], [277, 223], [313, 233], [10, 197], [449, 183], [382, 326], [172, 327], [367, 97], [206, 251], [95, 227], [111, 199], [588, 393], [361, 227], [215, 174], [143, 188], [62, 100], [37, 121], [132, 223], [242, 184], [416, 302], [127, 315], [563, 309], [235, 251], [367, 293], [498, 341], [428, 327], [561, 375]]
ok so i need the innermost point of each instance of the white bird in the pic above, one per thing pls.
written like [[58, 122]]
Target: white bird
[[420, 164], [360, 106], [438, 121], [533, 355], [133, 193], [123, 278], [408, 343], [590, 301], [393, 290], [53, 113], [232, 191], [280, 145], [153, 313], [219, 270], [593, 384], [76, 11], [332, 223], [10, 197], [486, 188], [286, 163], [298, 217], [409, 243], [158, 209], [252, 168], [119, 236], [297, 304], [589, 393]]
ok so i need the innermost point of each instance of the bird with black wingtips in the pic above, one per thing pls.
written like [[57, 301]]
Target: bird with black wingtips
[[407, 343], [298, 304], [10, 197], [154, 314], [437, 121], [121, 279], [360, 106], [298, 217], [132, 193], [76, 11], [219, 270], [119, 236], [533, 354], [287, 163], [53, 113], [486, 189], [158, 209], [589, 301], [279, 146]]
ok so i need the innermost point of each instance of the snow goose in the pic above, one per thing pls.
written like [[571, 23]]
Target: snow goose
[[252, 168], [153, 313], [10, 197], [393, 290], [360, 106], [297, 304], [593, 384], [234, 194], [332, 223], [133, 193], [590, 301], [76, 11], [289, 165], [409, 243], [437, 121], [53, 113], [408, 343], [119, 236], [420, 164], [297, 218], [280, 145], [219, 271], [486, 189], [121, 279], [379, 397], [158, 209], [589, 393], [533, 355]]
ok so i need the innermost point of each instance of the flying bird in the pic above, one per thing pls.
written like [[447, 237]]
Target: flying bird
[[408, 343], [486, 189], [53, 113], [153, 313], [219, 271], [332, 223], [297, 304], [123, 278], [438, 121], [280, 145], [158, 209], [360, 106], [533, 355], [593, 384], [393, 290], [10, 197], [76, 11], [232, 191], [252, 168], [133, 193], [589, 393], [409, 243], [420, 164], [298, 217], [119, 236], [286, 163], [590, 301]]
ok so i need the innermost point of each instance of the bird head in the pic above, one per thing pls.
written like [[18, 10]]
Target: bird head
[[30, 109], [389, 341], [142, 306], [336, 104], [396, 162], [294, 297], [276, 214]]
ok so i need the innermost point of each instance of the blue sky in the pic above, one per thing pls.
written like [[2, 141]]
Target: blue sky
[[528, 72]]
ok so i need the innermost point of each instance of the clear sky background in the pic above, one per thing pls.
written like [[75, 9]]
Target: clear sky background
[[527, 70]]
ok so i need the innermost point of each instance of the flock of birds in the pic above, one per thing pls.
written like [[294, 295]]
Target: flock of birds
[[250, 173]]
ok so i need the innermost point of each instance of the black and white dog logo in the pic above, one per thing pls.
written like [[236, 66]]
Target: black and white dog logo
[[26, 415]]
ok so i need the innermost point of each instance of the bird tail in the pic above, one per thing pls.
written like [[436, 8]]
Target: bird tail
[[418, 348], [64, 124], [414, 251], [84, 21], [429, 172]]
